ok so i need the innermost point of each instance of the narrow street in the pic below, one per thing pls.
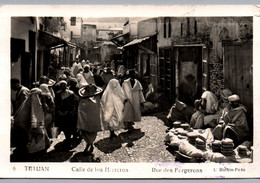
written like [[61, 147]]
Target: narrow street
[[144, 144]]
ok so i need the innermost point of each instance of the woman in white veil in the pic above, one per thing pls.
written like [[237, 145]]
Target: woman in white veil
[[112, 101]]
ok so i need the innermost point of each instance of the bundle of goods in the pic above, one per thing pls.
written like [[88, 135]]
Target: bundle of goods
[[227, 147], [242, 150], [173, 139], [185, 148], [214, 157], [216, 146], [200, 144], [176, 124], [175, 142], [185, 126], [191, 137]]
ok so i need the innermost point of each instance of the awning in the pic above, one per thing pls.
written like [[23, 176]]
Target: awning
[[121, 35], [135, 41], [48, 40]]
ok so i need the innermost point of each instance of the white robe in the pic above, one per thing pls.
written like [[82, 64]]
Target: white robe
[[75, 69], [112, 102], [85, 79], [211, 101], [135, 97]]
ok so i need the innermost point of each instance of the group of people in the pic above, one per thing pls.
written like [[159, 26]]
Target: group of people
[[223, 113], [80, 103]]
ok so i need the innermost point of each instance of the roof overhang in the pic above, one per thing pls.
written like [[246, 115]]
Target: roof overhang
[[135, 41], [52, 42], [121, 35]]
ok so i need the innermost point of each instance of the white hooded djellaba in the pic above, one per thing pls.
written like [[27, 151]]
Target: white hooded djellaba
[[135, 97], [113, 105]]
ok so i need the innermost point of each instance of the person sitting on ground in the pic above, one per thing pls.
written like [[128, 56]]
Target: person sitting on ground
[[224, 106], [208, 100], [179, 112], [208, 103], [21, 94], [236, 126], [197, 119]]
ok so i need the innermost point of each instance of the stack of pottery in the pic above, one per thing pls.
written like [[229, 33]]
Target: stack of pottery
[[227, 147], [182, 134], [242, 150], [185, 126], [216, 146], [192, 137], [200, 144], [176, 124]]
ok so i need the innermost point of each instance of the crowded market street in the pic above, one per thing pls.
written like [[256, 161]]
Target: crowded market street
[[144, 144]]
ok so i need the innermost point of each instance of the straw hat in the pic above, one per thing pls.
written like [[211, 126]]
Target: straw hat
[[44, 79], [89, 91], [62, 82]]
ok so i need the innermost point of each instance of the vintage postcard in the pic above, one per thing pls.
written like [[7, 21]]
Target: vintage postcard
[[129, 91]]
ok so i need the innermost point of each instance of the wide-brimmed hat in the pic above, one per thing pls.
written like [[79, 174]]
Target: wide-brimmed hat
[[44, 88], [51, 82], [62, 82], [89, 91]]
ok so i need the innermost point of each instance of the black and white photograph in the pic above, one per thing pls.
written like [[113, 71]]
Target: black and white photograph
[[164, 92]]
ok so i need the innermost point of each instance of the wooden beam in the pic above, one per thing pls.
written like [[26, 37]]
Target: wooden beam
[[146, 49]]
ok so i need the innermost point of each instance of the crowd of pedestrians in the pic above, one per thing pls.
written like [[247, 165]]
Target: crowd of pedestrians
[[80, 101]]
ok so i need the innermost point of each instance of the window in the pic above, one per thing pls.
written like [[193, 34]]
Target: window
[[167, 28], [195, 27], [73, 21]]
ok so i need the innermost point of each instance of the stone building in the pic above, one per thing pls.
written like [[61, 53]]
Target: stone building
[[217, 51]]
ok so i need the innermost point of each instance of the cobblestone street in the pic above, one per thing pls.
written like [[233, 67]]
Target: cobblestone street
[[144, 144]]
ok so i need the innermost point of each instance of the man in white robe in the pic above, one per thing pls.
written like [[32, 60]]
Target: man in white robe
[[86, 77], [134, 94]]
